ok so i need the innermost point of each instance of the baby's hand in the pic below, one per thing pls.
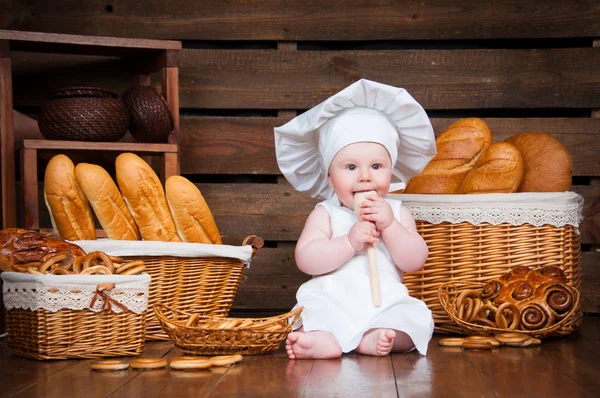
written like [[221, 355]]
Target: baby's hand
[[378, 211], [361, 233]]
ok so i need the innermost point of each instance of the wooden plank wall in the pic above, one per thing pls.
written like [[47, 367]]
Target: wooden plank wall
[[247, 66]]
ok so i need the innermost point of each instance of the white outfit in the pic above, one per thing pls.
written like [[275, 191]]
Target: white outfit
[[340, 302]]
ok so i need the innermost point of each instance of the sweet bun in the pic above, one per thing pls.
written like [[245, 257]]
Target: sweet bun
[[193, 218], [145, 197], [498, 170], [70, 211], [458, 148], [107, 202], [547, 164]]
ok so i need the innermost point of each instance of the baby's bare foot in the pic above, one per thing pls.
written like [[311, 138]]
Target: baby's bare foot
[[318, 345], [378, 342]]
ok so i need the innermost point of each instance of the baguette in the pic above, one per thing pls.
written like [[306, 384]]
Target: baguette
[[458, 148], [145, 197], [498, 170], [193, 218], [70, 211], [107, 202]]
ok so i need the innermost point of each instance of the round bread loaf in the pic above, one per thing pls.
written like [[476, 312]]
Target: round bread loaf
[[145, 197], [498, 170], [192, 216], [107, 202], [70, 211], [547, 164], [458, 148]]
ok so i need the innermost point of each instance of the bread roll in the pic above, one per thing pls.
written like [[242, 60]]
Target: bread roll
[[458, 148], [193, 218], [547, 164], [145, 197], [107, 202], [70, 211], [498, 170], [19, 247]]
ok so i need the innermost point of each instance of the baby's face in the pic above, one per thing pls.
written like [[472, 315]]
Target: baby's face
[[363, 166]]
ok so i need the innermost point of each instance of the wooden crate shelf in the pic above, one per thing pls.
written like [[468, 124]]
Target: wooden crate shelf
[[146, 56]]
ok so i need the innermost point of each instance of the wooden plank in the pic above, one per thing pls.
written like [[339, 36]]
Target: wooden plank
[[245, 145], [311, 19], [271, 79], [170, 383], [80, 378], [97, 146], [352, 375], [33, 39], [582, 365], [438, 79], [7, 146], [445, 371], [271, 375], [505, 373]]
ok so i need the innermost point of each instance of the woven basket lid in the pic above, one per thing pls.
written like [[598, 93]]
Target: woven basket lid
[[81, 91]]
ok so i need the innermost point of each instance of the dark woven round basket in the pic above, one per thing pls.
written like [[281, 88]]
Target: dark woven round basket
[[83, 114], [150, 119]]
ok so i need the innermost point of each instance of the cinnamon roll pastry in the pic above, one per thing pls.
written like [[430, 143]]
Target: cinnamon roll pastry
[[534, 317], [558, 298]]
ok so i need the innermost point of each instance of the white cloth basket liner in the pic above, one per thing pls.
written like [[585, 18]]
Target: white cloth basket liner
[[535, 208], [120, 248], [75, 292]]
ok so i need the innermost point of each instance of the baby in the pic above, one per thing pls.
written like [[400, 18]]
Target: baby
[[368, 137]]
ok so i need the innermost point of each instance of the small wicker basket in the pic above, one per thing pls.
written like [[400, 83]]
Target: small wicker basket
[[83, 114], [204, 285], [449, 292], [74, 326], [150, 118], [477, 251], [212, 336]]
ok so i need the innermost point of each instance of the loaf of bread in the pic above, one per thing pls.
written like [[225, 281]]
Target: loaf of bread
[[458, 148], [145, 197], [20, 247], [107, 202], [547, 164], [70, 211], [498, 170], [193, 218]]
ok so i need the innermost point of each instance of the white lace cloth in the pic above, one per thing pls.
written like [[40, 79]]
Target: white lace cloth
[[535, 208], [178, 249], [75, 292]]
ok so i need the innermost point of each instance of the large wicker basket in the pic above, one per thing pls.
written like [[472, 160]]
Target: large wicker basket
[[60, 317], [213, 336], [474, 238], [205, 285]]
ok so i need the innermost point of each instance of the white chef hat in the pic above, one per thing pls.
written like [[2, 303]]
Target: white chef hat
[[365, 111]]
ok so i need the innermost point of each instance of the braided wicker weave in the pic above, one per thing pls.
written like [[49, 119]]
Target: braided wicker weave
[[83, 114], [476, 253], [212, 336], [150, 119]]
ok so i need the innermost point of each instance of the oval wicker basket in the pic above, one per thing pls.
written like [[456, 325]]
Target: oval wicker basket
[[449, 292], [150, 119], [83, 114], [212, 335]]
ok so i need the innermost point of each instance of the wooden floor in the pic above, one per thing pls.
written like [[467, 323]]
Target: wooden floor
[[567, 367]]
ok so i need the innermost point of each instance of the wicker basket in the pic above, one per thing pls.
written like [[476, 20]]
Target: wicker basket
[[83, 114], [106, 328], [204, 285], [449, 292], [479, 251], [150, 119], [212, 336]]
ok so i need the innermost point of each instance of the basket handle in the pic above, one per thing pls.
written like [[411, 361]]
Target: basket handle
[[255, 241]]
